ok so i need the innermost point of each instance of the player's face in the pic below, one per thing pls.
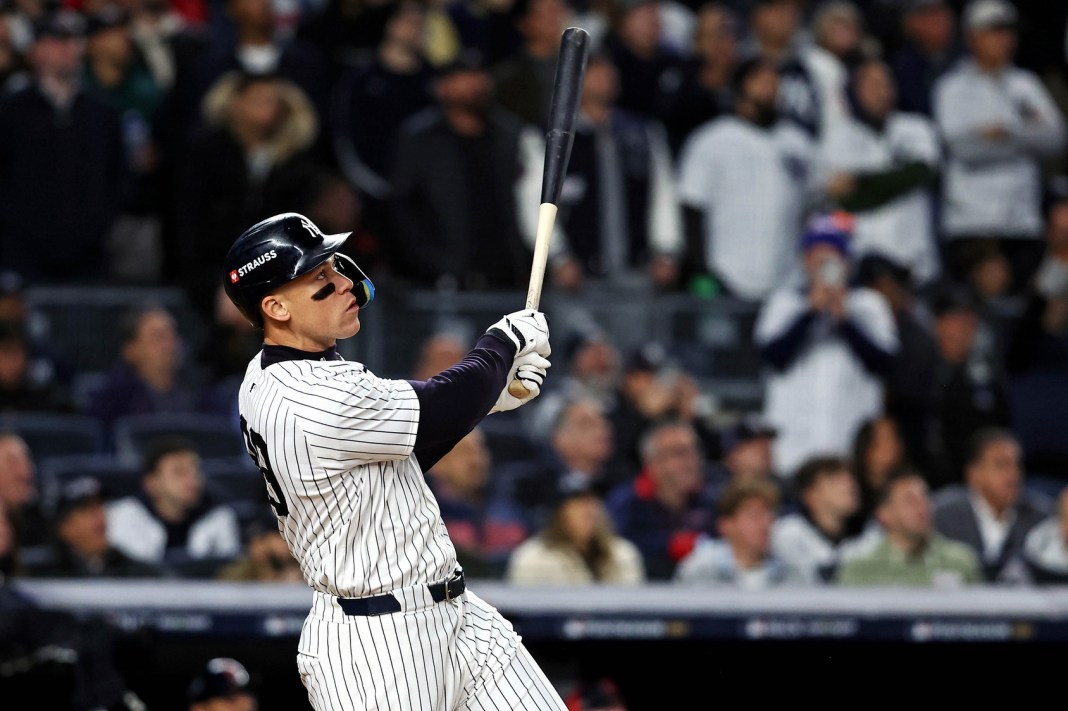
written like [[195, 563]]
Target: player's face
[[322, 306]]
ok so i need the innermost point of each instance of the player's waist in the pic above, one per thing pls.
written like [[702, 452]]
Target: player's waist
[[416, 597]]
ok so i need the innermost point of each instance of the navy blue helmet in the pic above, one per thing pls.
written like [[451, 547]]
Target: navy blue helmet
[[278, 250]]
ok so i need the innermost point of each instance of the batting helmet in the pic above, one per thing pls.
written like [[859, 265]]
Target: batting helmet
[[278, 250]]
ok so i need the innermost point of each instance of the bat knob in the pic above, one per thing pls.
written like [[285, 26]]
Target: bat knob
[[517, 390]]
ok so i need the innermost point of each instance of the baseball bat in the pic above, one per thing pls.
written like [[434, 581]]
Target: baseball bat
[[559, 135]]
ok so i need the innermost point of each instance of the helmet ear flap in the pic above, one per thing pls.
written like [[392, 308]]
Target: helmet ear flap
[[362, 288]]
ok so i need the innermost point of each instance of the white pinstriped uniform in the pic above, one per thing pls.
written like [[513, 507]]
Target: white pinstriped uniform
[[335, 444]]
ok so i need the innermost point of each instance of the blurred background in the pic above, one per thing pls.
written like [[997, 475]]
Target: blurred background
[[809, 299]]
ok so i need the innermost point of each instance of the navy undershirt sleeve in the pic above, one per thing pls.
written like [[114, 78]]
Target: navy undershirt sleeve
[[875, 359], [786, 347], [455, 400]]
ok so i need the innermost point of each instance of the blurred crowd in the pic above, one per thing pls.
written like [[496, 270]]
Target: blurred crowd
[[882, 181]]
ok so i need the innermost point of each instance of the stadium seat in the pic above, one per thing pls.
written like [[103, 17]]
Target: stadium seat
[[214, 435], [1039, 402], [54, 434], [234, 480], [118, 478]]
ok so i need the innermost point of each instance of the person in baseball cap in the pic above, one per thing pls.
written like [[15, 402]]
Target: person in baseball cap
[[223, 684], [989, 14]]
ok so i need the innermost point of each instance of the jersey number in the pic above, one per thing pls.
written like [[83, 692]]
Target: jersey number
[[257, 449]]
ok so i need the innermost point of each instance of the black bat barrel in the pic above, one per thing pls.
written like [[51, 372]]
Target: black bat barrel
[[567, 90]]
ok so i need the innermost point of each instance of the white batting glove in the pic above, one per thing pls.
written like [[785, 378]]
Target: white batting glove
[[530, 370], [527, 329]]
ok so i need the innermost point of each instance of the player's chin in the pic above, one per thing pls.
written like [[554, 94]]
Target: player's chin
[[350, 325]]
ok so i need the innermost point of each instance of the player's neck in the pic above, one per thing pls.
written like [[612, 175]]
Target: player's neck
[[301, 342]]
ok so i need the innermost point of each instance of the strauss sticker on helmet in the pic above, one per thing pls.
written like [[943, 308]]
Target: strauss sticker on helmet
[[258, 261]]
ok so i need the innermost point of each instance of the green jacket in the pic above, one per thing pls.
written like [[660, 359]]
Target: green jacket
[[943, 563]]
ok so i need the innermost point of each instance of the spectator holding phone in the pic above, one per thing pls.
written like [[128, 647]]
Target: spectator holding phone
[[829, 345]]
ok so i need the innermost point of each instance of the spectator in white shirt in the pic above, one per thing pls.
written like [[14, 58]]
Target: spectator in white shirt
[[828, 345], [744, 182], [882, 165], [998, 122], [813, 539], [172, 521]]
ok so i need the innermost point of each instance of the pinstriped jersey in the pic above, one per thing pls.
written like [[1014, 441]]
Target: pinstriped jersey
[[335, 444]]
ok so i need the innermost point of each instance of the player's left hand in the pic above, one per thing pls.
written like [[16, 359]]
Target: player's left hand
[[529, 369]]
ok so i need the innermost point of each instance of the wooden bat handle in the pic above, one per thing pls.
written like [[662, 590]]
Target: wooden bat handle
[[546, 221]]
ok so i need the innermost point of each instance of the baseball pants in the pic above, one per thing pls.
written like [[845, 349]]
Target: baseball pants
[[455, 655]]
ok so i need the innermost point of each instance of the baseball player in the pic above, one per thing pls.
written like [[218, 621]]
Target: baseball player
[[343, 452]]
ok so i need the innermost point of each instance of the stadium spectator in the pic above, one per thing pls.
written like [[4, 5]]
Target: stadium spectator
[[814, 539], [150, 375], [910, 552], [19, 492], [1040, 339], [829, 344], [580, 447], [114, 74], [931, 46], [225, 351], [223, 684], [28, 384], [878, 450], [485, 525], [464, 185], [80, 546], [992, 187], [59, 145], [882, 164], [992, 512], [252, 159], [13, 68], [913, 370], [171, 522], [744, 182], [776, 37], [373, 99], [744, 454], [666, 509], [252, 44], [620, 215], [741, 556], [523, 83], [654, 388], [265, 557], [648, 65], [1046, 546], [10, 563], [838, 47], [577, 546], [705, 90], [969, 391]]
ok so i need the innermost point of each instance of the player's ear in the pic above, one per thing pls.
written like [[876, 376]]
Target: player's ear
[[274, 308]]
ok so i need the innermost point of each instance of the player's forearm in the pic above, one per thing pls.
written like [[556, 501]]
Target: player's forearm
[[452, 402]]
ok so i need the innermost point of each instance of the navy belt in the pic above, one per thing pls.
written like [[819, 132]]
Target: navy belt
[[387, 603]]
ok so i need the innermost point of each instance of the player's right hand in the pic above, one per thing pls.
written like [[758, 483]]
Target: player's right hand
[[527, 329], [529, 369]]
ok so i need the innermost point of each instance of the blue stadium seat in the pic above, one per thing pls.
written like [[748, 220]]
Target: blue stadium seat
[[214, 435], [118, 478], [1039, 403], [234, 480], [54, 434]]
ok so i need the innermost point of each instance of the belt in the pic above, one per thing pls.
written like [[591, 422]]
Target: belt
[[387, 603]]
